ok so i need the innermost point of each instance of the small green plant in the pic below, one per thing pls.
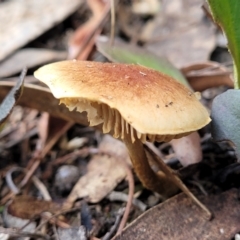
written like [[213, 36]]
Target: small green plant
[[11, 99], [225, 109]]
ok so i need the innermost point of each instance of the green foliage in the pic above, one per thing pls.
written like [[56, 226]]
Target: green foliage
[[225, 109], [227, 14], [226, 118], [12, 97], [125, 53]]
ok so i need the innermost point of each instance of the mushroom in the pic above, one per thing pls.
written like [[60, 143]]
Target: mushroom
[[135, 104]]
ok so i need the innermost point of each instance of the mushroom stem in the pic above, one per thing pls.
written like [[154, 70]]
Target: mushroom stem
[[157, 182], [176, 180]]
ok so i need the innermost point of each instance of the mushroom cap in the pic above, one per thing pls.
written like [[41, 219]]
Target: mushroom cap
[[150, 101]]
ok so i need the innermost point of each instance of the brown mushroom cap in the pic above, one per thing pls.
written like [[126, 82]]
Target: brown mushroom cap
[[149, 104]]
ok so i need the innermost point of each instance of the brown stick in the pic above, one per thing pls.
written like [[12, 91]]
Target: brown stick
[[130, 197]]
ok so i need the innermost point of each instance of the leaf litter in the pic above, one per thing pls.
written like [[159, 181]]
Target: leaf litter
[[11, 98], [175, 30], [91, 155], [28, 14], [28, 57], [99, 182]]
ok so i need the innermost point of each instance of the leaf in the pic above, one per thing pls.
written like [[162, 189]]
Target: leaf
[[100, 181], [188, 149], [28, 14], [21, 209], [28, 207], [29, 57], [41, 98], [125, 53], [12, 97], [226, 14], [168, 221], [182, 33], [204, 75], [226, 118]]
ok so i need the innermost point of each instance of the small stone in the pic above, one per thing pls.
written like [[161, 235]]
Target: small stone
[[237, 237], [221, 230], [66, 177]]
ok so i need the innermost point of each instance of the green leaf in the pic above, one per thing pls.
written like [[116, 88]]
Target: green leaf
[[226, 118], [12, 97], [227, 14], [126, 53]]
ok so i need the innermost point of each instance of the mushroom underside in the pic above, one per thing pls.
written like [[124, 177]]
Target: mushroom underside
[[112, 120]]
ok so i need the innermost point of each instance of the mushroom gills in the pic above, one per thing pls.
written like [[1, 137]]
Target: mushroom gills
[[112, 120]]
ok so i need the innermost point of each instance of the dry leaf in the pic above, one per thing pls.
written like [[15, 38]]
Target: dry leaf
[[28, 57], [35, 16], [104, 172], [169, 221], [114, 147], [41, 98], [204, 75], [181, 33], [24, 208], [27, 207], [188, 149]]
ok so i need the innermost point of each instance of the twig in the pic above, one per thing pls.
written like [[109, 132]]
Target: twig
[[55, 232], [37, 158], [42, 188], [81, 152], [12, 186], [112, 23], [123, 197], [56, 215], [55, 138], [199, 185], [44, 227], [130, 197], [30, 172], [130, 193], [54, 220], [99, 25], [29, 134], [108, 235]]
